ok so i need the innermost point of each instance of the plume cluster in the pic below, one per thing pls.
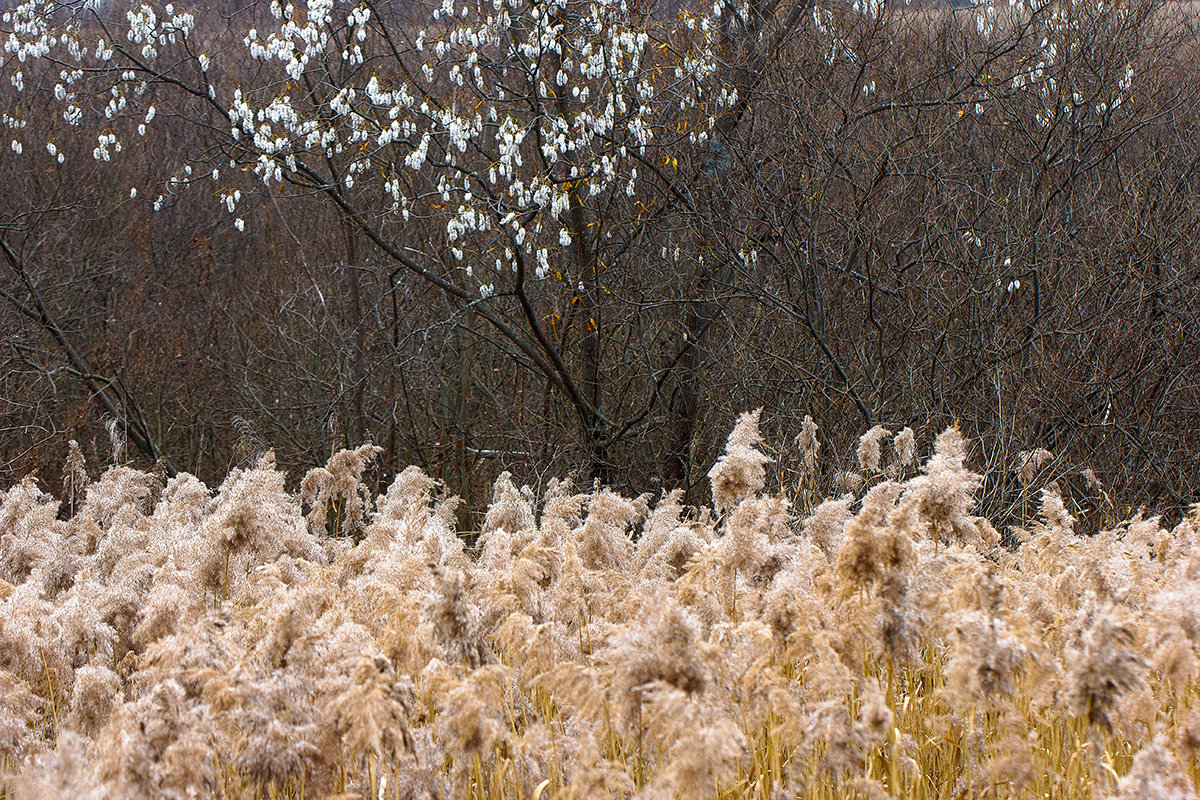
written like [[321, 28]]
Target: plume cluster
[[168, 639]]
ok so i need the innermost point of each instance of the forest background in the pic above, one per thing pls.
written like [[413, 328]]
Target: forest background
[[218, 241]]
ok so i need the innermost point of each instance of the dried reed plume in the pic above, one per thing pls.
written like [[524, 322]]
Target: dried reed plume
[[166, 639]]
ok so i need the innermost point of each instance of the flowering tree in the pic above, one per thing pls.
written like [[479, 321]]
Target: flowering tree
[[510, 154], [859, 210]]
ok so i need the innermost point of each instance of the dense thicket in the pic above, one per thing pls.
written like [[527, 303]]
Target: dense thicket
[[903, 217]]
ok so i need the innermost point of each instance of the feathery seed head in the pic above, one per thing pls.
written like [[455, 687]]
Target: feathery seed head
[[870, 449], [741, 471]]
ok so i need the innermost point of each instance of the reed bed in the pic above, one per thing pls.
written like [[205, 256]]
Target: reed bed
[[161, 639]]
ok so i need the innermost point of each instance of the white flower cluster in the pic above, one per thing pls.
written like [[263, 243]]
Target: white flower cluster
[[500, 118], [985, 20], [32, 35], [838, 47], [152, 32], [480, 155], [296, 42], [104, 142], [1083, 92]]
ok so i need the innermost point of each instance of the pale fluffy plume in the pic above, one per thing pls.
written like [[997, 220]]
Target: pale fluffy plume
[[511, 508], [845, 738], [741, 471], [456, 618], [20, 713], [758, 539], [75, 477], [937, 505], [470, 719], [252, 521], [408, 532], [1155, 775], [603, 541], [987, 649], [810, 448], [871, 549], [31, 536], [793, 602], [905, 444], [171, 602], [1050, 546], [121, 498], [665, 646], [984, 659], [96, 691], [255, 702], [157, 747], [29, 633], [1174, 627], [336, 493], [509, 524], [1054, 512], [1103, 665], [1030, 462], [372, 713], [824, 526], [64, 773], [668, 543], [409, 496], [702, 746], [870, 449]]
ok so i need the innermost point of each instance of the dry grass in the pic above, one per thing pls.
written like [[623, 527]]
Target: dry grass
[[174, 641]]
